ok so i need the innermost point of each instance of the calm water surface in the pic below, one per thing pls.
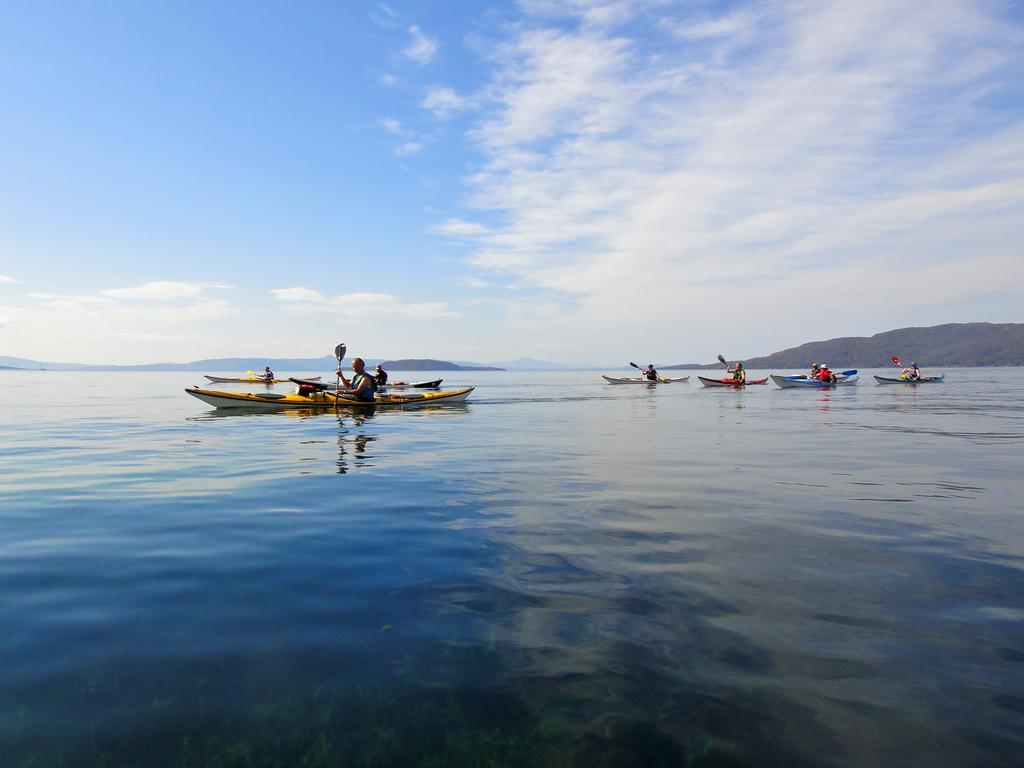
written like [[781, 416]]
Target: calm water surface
[[559, 572]]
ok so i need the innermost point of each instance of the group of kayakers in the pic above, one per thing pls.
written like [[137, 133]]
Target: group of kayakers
[[362, 385], [819, 372]]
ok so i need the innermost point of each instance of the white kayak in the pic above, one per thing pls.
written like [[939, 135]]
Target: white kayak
[[659, 380], [791, 382], [252, 379]]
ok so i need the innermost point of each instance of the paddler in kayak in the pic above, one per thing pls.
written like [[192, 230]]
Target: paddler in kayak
[[649, 373], [911, 372], [824, 374], [380, 376], [813, 373], [267, 373], [362, 385], [738, 374]]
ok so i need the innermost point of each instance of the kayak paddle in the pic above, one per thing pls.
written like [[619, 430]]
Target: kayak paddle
[[896, 360], [339, 352], [722, 361]]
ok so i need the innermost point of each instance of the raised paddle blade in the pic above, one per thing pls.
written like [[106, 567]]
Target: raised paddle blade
[[339, 352], [722, 360], [635, 365], [896, 360]]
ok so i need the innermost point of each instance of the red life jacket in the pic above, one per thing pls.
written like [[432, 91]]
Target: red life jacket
[[824, 375]]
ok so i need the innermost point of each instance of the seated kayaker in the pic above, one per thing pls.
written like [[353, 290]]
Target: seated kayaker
[[649, 373], [267, 373], [813, 373], [380, 376], [362, 386], [824, 374], [738, 374], [911, 373]]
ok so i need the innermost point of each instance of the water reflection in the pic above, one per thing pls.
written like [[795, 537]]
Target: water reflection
[[353, 442]]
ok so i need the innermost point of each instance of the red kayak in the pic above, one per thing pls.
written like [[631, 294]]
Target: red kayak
[[729, 382]]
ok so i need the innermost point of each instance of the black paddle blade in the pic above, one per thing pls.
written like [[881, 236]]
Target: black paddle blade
[[635, 365], [339, 351], [722, 360]]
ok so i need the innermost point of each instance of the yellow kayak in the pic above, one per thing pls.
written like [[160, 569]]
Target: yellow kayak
[[323, 399]]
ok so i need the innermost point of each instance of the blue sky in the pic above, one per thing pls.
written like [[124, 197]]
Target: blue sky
[[586, 180]]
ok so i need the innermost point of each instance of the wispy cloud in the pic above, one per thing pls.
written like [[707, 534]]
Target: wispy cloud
[[408, 148], [301, 300], [421, 48], [5, 279], [442, 101], [773, 147], [459, 228], [162, 290], [385, 16]]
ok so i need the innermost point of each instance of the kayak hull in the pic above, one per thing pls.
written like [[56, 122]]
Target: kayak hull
[[660, 380], [790, 382], [322, 399], [434, 384], [729, 382], [251, 380], [922, 380]]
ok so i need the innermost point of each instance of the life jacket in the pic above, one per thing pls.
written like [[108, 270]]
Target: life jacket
[[824, 375], [650, 374], [739, 375], [371, 391]]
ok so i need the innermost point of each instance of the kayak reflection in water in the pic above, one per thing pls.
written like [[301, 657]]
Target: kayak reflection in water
[[738, 374], [911, 372], [380, 376], [649, 373], [267, 373], [362, 384]]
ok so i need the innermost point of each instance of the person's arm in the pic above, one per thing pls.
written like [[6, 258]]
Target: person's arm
[[343, 380]]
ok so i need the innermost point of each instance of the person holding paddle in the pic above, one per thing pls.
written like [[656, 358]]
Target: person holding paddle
[[911, 372], [738, 374], [649, 373], [362, 385], [267, 373], [380, 376]]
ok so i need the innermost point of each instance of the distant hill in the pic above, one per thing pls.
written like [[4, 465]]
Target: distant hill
[[954, 344], [241, 364], [531, 364], [418, 364]]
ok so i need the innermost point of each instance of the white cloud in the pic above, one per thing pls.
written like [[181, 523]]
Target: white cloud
[[827, 146], [408, 148], [442, 101], [163, 290], [5, 279], [393, 126], [469, 281], [305, 300], [385, 16], [421, 48], [457, 228]]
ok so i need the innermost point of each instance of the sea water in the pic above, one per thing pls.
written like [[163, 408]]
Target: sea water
[[558, 572]]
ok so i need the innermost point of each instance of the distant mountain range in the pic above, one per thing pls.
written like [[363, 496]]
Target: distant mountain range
[[239, 364], [953, 344]]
